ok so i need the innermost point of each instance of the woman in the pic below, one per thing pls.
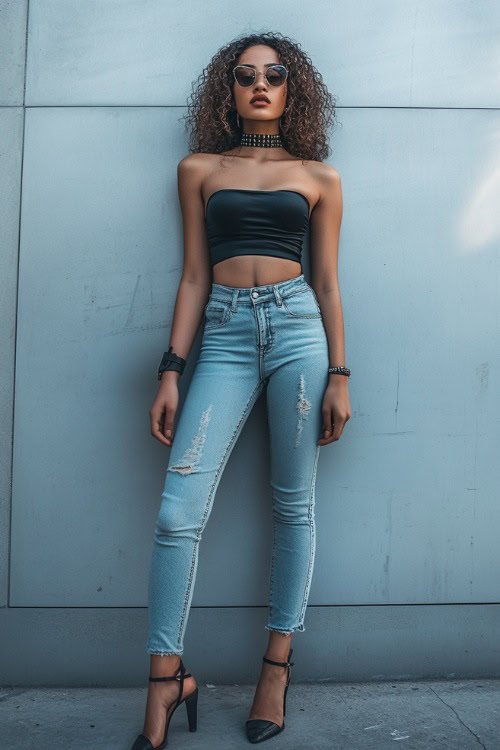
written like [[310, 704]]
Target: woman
[[252, 185]]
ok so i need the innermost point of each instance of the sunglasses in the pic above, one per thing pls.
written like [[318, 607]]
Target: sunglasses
[[276, 75]]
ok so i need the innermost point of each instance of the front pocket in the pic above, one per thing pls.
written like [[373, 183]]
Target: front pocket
[[302, 304], [216, 314]]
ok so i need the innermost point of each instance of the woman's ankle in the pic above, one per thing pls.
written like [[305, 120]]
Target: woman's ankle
[[278, 646], [164, 665]]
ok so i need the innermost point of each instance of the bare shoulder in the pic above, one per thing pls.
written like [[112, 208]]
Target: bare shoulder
[[325, 174], [325, 182], [197, 159], [329, 185], [192, 171], [194, 163]]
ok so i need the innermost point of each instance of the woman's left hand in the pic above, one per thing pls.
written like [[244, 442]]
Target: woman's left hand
[[336, 409]]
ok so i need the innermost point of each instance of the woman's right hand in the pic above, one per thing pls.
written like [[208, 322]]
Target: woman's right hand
[[162, 413]]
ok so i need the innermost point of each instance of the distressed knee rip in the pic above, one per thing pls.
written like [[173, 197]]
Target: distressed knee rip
[[192, 456], [303, 408]]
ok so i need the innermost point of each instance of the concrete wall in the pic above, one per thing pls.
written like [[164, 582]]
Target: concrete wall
[[406, 575]]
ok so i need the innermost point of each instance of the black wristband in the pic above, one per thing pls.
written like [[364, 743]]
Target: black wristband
[[340, 370], [171, 361]]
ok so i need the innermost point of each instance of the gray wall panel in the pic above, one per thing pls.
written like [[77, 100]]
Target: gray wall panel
[[371, 53], [414, 480], [406, 501], [11, 129], [12, 51], [97, 646], [100, 263]]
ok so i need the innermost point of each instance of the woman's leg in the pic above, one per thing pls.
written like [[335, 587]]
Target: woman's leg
[[297, 382], [216, 407]]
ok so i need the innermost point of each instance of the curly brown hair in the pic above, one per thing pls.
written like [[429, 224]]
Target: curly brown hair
[[304, 127]]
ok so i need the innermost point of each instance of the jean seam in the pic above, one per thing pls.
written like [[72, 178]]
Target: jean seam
[[225, 318], [311, 537], [301, 290], [308, 316], [299, 315], [271, 575], [211, 493]]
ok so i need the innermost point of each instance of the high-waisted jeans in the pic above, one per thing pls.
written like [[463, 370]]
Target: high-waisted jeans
[[272, 337]]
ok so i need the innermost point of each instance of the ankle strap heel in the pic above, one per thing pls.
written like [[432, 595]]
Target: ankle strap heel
[[180, 675], [142, 742]]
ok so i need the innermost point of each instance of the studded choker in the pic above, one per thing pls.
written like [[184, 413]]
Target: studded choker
[[266, 140]]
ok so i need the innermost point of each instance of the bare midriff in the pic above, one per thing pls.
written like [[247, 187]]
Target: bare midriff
[[254, 270]]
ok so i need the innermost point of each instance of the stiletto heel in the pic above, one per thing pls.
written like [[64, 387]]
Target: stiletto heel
[[192, 710], [144, 743], [259, 730]]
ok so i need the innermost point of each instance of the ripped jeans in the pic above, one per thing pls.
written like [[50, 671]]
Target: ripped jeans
[[271, 337]]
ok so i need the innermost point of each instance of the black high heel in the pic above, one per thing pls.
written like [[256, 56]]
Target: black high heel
[[259, 730], [144, 743]]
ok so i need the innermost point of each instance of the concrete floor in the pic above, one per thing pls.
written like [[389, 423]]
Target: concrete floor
[[442, 714]]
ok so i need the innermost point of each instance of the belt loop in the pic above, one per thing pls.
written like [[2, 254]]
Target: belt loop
[[277, 295], [234, 306]]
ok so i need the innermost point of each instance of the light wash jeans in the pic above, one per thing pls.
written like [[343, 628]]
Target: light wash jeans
[[254, 337]]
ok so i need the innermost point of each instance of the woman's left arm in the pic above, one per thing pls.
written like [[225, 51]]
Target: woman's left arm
[[325, 224]]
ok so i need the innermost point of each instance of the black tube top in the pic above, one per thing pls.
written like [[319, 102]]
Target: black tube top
[[256, 222]]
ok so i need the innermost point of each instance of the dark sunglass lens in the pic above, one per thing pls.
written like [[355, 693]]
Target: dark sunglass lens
[[276, 76], [244, 76]]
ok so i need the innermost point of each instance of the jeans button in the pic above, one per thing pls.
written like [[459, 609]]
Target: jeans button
[[255, 295]]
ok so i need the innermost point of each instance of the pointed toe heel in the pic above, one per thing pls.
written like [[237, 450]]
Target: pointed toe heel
[[259, 730]]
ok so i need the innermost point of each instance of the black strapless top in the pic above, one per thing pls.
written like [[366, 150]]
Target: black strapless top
[[256, 222]]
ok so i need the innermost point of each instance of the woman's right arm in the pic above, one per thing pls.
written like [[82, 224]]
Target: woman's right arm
[[192, 294]]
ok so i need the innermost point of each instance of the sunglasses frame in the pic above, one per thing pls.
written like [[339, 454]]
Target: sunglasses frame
[[278, 65]]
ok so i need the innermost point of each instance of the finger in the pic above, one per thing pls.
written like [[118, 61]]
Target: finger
[[157, 424], [157, 432], [339, 426], [327, 424], [327, 429], [327, 438], [168, 428]]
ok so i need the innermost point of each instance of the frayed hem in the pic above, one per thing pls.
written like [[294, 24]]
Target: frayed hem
[[164, 653], [300, 629]]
